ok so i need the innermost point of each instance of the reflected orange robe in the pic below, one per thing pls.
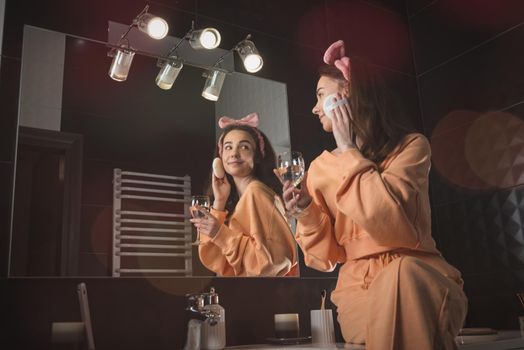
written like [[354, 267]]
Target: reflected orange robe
[[257, 241], [377, 222]]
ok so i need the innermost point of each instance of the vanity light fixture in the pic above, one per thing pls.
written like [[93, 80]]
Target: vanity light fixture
[[214, 81], [154, 26], [168, 73], [249, 55], [208, 38], [122, 52], [122, 59]]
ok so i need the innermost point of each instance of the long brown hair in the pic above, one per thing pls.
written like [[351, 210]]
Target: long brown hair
[[373, 109], [262, 171]]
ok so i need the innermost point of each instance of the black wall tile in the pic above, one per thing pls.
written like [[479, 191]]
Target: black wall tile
[[448, 28], [380, 36], [487, 78], [397, 6], [414, 6], [483, 233], [481, 155], [297, 21], [186, 5], [403, 88]]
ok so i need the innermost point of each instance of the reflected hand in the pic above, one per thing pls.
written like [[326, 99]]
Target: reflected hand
[[206, 224], [296, 199], [221, 191], [341, 126]]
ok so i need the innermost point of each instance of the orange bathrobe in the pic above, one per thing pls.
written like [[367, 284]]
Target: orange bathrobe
[[257, 241], [395, 290]]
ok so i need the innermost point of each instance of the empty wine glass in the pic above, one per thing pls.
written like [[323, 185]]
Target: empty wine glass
[[291, 167], [199, 203]]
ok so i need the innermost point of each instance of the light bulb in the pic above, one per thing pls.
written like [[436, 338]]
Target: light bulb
[[208, 38], [155, 27], [253, 63], [248, 52]]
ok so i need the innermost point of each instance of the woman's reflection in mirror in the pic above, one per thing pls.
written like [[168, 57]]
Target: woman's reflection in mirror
[[246, 232]]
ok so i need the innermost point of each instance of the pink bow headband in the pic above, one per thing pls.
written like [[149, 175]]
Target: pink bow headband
[[336, 54], [249, 120]]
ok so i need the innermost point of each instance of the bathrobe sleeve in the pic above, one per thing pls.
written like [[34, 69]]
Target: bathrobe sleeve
[[315, 233], [386, 203]]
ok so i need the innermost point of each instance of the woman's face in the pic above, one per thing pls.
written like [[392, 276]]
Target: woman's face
[[238, 153], [325, 87]]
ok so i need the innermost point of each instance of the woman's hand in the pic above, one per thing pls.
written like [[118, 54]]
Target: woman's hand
[[295, 199], [341, 123], [207, 224], [221, 191]]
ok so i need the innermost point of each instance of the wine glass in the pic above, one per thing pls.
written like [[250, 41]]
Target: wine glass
[[291, 167], [198, 203]]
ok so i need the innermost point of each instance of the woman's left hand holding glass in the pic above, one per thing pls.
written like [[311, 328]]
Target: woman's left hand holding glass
[[296, 199], [207, 224], [340, 122]]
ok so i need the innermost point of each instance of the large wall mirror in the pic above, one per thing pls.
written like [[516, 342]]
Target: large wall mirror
[[76, 126]]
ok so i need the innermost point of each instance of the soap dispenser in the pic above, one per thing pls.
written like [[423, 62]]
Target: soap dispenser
[[214, 329]]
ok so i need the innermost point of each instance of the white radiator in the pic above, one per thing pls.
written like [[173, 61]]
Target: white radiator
[[151, 228]]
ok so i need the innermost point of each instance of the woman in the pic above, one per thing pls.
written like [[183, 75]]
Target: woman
[[366, 206], [246, 233]]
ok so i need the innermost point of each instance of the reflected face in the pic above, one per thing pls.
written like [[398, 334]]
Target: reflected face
[[325, 87], [238, 153]]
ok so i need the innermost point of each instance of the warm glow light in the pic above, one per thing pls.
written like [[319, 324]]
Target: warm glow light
[[479, 151], [253, 63], [157, 28], [250, 57], [153, 26], [208, 38]]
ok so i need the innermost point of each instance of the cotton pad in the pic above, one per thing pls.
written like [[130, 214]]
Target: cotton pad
[[330, 105]]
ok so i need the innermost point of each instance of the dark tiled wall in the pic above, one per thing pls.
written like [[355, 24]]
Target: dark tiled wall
[[468, 62]]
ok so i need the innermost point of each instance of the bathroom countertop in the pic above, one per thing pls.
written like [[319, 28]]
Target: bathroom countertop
[[503, 340], [298, 347]]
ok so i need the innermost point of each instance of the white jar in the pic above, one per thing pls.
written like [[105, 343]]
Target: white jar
[[214, 336]]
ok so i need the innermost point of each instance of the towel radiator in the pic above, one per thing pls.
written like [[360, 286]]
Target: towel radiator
[[151, 228]]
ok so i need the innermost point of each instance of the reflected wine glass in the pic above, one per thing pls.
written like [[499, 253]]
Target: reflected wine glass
[[199, 203], [291, 167]]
